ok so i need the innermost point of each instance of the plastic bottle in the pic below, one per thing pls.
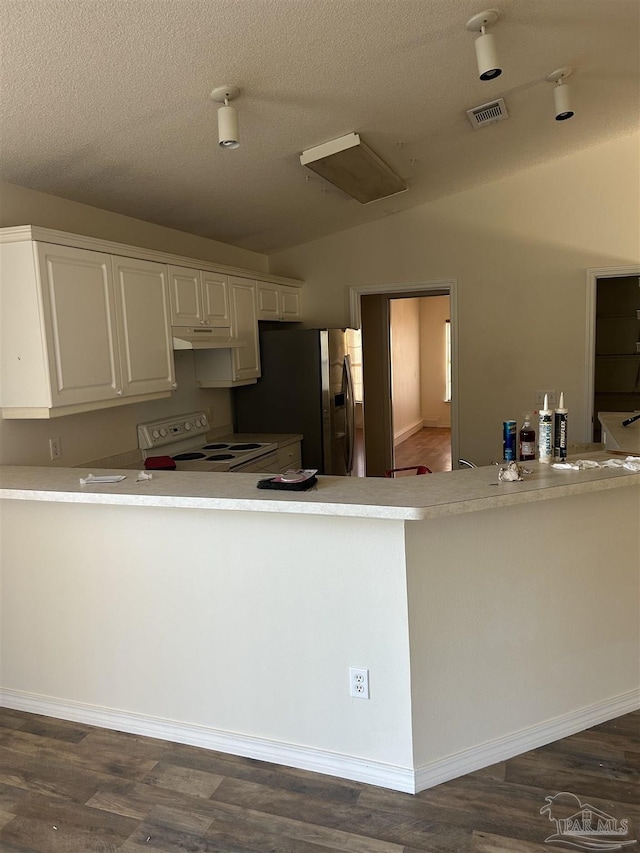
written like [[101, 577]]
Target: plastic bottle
[[560, 430], [526, 440], [545, 432], [509, 441]]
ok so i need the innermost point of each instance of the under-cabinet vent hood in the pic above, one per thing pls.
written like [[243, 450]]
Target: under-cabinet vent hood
[[194, 337]]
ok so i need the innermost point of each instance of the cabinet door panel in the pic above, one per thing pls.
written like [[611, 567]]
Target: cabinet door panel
[[268, 301], [289, 303], [215, 294], [142, 302], [78, 301], [246, 360], [186, 296]]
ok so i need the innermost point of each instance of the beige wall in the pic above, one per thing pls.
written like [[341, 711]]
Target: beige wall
[[519, 248], [109, 432], [434, 312], [21, 206], [405, 366]]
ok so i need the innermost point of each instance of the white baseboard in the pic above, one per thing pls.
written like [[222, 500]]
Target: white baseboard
[[406, 433], [304, 758], [500, 749], [322, 761]]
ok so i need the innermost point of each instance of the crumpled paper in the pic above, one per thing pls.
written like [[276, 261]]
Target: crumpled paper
[[630, 463], [512, 472]]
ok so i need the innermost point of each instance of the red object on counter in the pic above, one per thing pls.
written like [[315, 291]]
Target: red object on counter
[[159, 463]]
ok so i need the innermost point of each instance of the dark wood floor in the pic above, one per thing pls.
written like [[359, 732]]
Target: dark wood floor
[[430, 446], [71, 788]]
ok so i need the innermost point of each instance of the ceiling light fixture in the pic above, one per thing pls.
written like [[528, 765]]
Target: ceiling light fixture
[[354, 168], [486, 54], [561, 93], [228, 132]]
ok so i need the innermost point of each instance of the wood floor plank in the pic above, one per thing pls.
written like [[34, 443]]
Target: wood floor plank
[[113, 761], [183, 779], [44, 824], [288, 778], [483, 842], [532, 770], [30, 774], [384, 825]]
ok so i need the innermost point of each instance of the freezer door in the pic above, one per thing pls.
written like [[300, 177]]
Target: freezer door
[[338, 402]]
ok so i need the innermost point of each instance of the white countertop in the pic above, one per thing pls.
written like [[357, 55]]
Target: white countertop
[[625, 439], [408, 498]]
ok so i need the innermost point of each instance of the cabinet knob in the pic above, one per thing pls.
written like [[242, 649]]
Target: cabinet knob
[[174, 385], [119, 392]]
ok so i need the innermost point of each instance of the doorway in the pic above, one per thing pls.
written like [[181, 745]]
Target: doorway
[[613, 344], [409, 374]]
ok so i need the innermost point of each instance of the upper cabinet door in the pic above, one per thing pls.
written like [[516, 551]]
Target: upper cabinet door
[[278, 301], [268, 301], [186, 297], [215, 297], [246, 359], [80, 325], [145, 342], [290, 303]]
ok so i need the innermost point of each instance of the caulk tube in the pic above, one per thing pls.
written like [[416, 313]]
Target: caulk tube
[[560, 431], [545, 432]]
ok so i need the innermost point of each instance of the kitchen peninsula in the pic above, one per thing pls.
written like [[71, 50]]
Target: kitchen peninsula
[[492, 618]]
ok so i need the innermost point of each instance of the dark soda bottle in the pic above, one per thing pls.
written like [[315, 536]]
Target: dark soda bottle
[[526, 441]]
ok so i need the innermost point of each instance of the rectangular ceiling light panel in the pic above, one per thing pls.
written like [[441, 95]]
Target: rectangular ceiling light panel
[[354, 168]]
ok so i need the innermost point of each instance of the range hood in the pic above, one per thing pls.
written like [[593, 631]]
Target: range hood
[[195, 337]]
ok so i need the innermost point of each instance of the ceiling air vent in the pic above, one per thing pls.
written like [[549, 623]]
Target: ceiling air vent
[[488, 113]]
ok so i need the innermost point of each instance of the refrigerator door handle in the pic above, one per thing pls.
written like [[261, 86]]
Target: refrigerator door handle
[[347, 384]]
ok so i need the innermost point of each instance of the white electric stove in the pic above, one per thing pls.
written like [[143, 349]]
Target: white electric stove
[[183, 438]]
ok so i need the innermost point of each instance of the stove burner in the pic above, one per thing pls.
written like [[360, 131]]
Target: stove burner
[[183, 457], [222, 446], [244, 446], [217, 457]]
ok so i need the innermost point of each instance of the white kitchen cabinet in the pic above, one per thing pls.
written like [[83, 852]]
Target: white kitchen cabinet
[[289, 456], [199, 298], [144, 331], [226, 368], [72, 340], [280, 302]]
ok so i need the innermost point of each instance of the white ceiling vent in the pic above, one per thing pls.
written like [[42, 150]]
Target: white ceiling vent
[[488, 113]]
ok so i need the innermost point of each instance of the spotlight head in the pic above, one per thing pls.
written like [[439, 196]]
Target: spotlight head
[[228, 130], [486, 53], [561, 94]]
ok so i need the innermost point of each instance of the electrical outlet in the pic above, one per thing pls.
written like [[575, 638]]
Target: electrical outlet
[[55, 448], [551, 399], [359, 682]]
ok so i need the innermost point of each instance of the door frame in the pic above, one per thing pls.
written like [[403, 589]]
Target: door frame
[[442, 287], [590, 333]]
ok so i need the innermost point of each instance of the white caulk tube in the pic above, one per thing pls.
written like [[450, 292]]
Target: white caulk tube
[[545, 432], [560, 431]]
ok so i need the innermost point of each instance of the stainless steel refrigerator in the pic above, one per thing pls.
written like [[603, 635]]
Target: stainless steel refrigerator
[[306, 387]]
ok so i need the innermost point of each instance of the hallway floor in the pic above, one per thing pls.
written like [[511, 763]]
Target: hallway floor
[[430, 446]]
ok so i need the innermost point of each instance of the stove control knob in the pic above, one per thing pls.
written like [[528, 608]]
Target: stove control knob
[[155, 435], [187, 426], [163, 432], [198, 423]]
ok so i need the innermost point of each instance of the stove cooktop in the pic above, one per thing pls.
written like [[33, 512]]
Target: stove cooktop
[[183, 438]]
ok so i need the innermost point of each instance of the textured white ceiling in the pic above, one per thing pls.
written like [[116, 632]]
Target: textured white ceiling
[[106, 102]]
